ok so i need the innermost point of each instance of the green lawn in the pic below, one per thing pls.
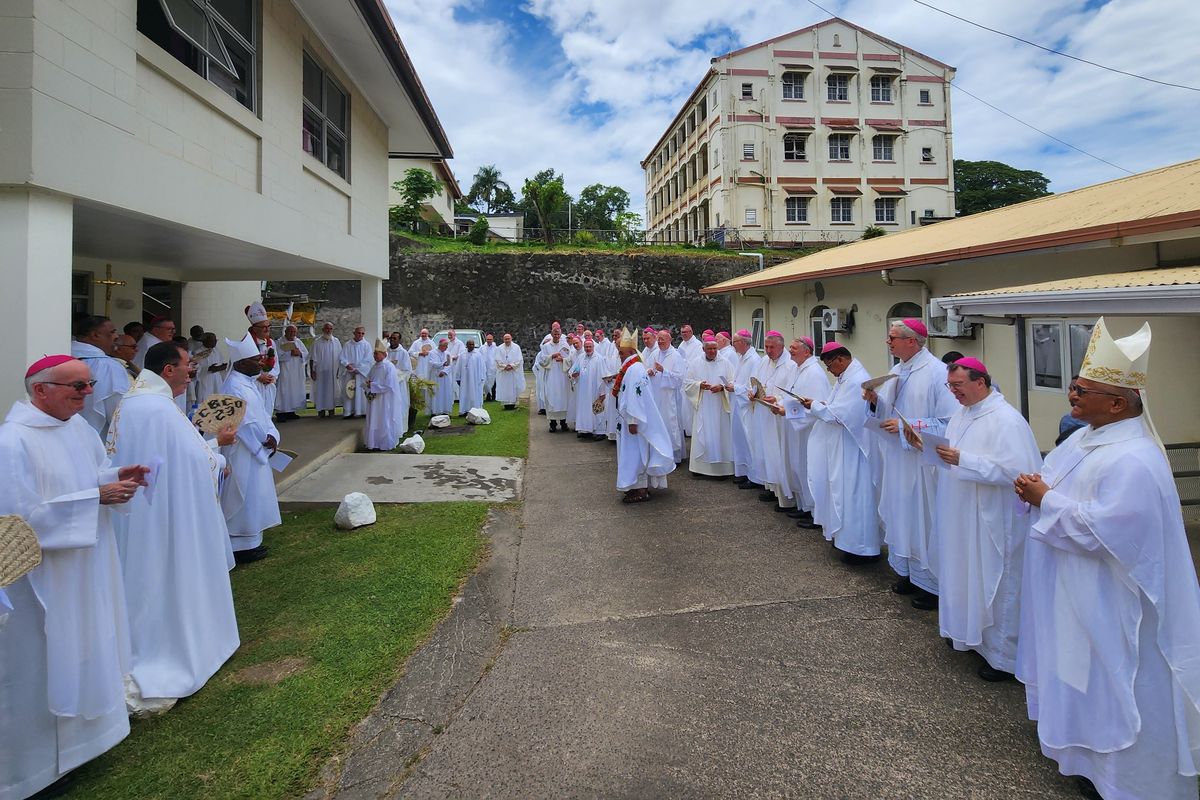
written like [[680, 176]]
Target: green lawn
[[446, 244], [508, 435], [343, 610]]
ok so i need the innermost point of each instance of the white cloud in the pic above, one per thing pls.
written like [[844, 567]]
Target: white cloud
[[641, 60]]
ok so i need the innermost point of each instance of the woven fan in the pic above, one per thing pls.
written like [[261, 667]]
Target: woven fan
[[351, 388], [217, 411], [19, 549], [598, 405]]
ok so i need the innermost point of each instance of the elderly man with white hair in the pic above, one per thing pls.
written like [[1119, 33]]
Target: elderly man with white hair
[[510, 372], [64, 650], [292, 394], [745, 362], [808, 381], [667, 369], [709, 407], [907, 490], [326, 371], [766, 427]]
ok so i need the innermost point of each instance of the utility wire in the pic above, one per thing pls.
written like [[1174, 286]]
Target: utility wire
[[995, 108], [1057, 52]]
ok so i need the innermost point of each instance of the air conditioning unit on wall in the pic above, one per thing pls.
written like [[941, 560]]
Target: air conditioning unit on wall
[[948, 327], [835, 319]]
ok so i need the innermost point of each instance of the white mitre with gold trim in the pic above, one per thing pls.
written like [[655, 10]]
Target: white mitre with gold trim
[[626, 340], [1117, 362]]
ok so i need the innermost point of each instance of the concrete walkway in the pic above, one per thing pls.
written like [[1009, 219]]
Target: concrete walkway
[[696, 645]]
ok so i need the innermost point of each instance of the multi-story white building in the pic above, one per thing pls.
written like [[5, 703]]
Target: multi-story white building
[[807, 138], [166, 156]]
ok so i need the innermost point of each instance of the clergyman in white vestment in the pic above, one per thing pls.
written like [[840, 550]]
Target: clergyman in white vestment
[[442, 375], [555, 361], [326, 372], [510, 373], [210, 366], [174, 545], [808, 381], [356, 362], [292, 393], [645, 455], [95, 344], [707, 389], [65, 647], [383, 428], [766, 429], [472, 375], [745, 362], [667, 369]]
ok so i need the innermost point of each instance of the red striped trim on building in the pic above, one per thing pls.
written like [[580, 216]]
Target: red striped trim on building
[[928, 123], [839, 56], [760, 73], [793, 53], [924, 79], [930, 181]]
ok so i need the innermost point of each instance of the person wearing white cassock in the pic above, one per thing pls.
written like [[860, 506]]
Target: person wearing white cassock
[[438, 362], [402, 361], [489, 359], [766, 427], [326, 371], [510, 373], [210, 366], [981, 532], [707, 389], [472, 371], [555, 361], [907, 489], [94, 345], [588, 389], [573, 379], [162, 329], [356, 362], [667, 369], [808, 381], [455, 349], [745, 362], [260, 332], [292, 395], [605, 346], [605, 422], [64, 649], [174, 545], [725, 351], [539, 379], [248, 495], [397, 352], [645, 455], [839, 462], [1110, 609], [384, 426], [422, 344], [690, 347], [649, 346]]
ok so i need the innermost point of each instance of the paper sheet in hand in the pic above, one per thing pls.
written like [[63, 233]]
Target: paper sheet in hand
[[793, 409], [929, 456], [874, 425], [155, 464], [279, 460], [875, 383]]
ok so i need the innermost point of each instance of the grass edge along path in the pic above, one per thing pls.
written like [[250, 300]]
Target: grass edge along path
[[327, 623], [507, 435]]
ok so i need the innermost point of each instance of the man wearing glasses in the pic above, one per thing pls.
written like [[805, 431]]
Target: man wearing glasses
[[162, 329]]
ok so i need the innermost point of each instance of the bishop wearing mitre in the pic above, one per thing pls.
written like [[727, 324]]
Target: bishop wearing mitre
[[645, 455]]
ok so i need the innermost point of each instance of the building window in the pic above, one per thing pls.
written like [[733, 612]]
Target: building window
[[841, 209], [716, 153], [793, 86], [216, 39], [758, 329], [748, 151], [751, 216], [881, 89], [81, 292], [326, 112], [923, 96], [837, 87], [885, 209], [1047, 361], [793, 147], [839, 147], [928, 213], [747, 91], [797, 209], [714, 100], [882, 148], [926, 155]]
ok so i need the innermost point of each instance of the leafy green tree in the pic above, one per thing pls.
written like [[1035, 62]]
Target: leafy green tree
[[873, 232], [544, 197], [417, 186], [489, 192], [629, 227], [598, 206], [984, 185], [479, 231]]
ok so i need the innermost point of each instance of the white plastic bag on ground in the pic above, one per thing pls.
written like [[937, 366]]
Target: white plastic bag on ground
[[355, 511], [478, 416], [413, 444], [440, 421]]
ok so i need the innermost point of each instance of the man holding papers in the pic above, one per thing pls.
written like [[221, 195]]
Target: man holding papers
[[982, 531]]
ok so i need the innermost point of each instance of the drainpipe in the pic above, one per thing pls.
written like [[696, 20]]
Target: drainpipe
[[1022, 365], [886, 275]]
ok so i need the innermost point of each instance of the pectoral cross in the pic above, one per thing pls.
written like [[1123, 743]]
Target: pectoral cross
[[108, 283]]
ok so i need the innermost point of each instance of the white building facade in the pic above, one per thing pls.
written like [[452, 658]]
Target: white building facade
[[191, 149], [806, 139]]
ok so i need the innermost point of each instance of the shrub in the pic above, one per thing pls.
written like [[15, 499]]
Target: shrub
[[479, 231], [585, 238], [873, 232]]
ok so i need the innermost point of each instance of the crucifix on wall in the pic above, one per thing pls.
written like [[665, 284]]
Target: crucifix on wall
[[108, 283]]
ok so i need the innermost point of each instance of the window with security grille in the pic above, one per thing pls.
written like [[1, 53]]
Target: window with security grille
[[839, 147], [885, 209], [841, 209], [882, 148], [797, 209], [881, 89], [794, 147], [325, 117], [837, 87], [793, 85]]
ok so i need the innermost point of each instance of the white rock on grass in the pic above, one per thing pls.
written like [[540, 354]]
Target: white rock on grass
[[413, 444], [355, 511], [440, 421], [478, 416]]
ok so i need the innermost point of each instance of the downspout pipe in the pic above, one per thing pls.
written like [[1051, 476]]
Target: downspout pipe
[[886, 275]]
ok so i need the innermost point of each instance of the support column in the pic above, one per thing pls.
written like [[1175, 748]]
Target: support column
[[218, 306], [36, 264], [371, 303]]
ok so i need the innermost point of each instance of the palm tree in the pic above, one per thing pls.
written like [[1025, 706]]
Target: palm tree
[[488, 188]]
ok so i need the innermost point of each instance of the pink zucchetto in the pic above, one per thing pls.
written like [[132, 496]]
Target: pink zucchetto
[[917, 326], [648, 329], [808, 341], [830, 348], [708, 331], [745, 334], [46, 363], [708, 337], [972, 363], [776, 334], [726, 334], [443, 341]]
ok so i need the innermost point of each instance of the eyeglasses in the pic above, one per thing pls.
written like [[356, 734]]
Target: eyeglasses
[[1080, 391], [78, 386], [956, 384], [891, 338]]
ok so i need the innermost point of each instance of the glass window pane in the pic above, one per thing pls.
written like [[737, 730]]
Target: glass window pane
[[1047, 354], [239, 87], [335, 105], [187, 18], [335, 153], [314, 79], [1080, 334], [312, 134], [239, 14]]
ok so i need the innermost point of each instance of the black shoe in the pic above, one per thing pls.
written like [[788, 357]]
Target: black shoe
[[782, 509], [554, 426], [1087, 788], [251, 555], [766, 496], [598, 437], [903, 586], [750, 485], [565, 428], [542, 412], [855, 560], [740, 480], [799, 513], [925, 601], [808, 525], [993, 675], [580, 435]]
